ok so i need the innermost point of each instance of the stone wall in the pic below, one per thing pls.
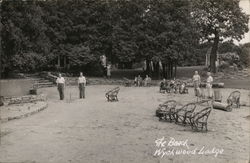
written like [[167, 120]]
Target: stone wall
[[24, 99], [15, 87]]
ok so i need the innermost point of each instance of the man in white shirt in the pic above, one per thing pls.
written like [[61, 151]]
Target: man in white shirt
[[81, 85], [197, 82], [60, 86], [209, 85]]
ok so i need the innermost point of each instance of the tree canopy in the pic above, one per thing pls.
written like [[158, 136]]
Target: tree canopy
[[219, 20], [34, 33]]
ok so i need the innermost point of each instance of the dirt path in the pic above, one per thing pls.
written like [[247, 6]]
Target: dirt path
[[93, 130]]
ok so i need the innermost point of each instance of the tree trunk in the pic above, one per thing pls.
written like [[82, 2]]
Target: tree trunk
[[169, 70], [147, 67], [175, 69], [213, 55], [172, 69], [0, 64], [158, 71], [0, 58], [164, 70]]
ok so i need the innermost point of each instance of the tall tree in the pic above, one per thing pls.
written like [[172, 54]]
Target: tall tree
[[25, 44], [168, 33], [219, 20], [1, 53]]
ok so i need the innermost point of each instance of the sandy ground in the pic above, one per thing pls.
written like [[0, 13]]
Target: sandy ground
[[94, 130]]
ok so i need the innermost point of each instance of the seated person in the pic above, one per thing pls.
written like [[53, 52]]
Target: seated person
[[163, 85], [147, 81], [139, 81], [183, 87], [167, 86], [172, 83]]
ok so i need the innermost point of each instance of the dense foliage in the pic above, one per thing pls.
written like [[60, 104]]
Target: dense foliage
[[219, 20], [34, 33]]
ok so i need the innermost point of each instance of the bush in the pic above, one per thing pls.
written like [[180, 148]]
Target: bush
[[244, 54], [224, 65]]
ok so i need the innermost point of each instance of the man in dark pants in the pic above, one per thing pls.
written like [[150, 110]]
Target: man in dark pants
[[82, 84], [60, 86]]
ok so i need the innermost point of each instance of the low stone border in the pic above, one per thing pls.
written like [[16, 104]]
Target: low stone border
[[42, 107], [24, 99]]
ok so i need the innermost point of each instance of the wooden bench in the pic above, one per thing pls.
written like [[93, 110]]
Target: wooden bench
[[112, 94]]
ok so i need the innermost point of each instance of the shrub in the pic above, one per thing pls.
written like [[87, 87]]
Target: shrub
[[244, 54]]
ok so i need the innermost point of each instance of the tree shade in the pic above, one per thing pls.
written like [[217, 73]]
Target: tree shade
[[34, 33]]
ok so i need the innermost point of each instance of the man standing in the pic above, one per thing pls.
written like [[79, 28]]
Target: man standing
[[103, 60], [139, 80], [197, 82], [209, 85], [60, 86], [82, 84]]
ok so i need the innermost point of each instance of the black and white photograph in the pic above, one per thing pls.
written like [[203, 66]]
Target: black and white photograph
[[124, 81]]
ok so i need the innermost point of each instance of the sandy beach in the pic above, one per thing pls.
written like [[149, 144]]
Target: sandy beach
[[94, 130]]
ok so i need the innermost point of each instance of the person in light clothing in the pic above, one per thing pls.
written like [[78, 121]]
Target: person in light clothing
[[197, 82], [60, 86], [209, 85], [139, 80], [109, 71], [81, 85], [147, 81]]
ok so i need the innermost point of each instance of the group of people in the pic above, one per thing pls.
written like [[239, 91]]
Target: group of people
[[164, 85], [197, 84], [167, 86], [175, 86], [140, 82], [60, 81]]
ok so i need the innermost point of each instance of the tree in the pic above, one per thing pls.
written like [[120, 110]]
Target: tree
[[219, 20], [24, 43], [167, 34], [244, 53], [126, 31], [126, 23], [1, 26]]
